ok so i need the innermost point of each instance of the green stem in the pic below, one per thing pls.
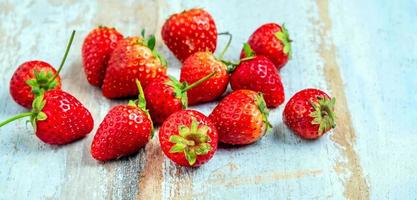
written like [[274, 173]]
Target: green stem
[[65, 57], [141, 97], [227, 44], [22, 115], [198, 82]]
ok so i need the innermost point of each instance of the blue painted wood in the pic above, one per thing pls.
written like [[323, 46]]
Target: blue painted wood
[[364, 53]]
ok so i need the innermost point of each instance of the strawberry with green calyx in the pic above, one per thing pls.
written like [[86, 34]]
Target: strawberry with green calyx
[[58, 118], [124, 130], [259, 74], [241, 117], [310, 113], [199, 65], [167, 95], [133, 58], [34, 77], [96, 50], [188, 138], [272, 41]]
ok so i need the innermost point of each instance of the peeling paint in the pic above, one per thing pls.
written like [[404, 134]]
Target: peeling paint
[[356, 186]]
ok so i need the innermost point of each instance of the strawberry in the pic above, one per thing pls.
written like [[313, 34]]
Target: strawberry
[[310, 113], [58, 118], [33, 77], [259, 74], [188, 138], [196, 67], [241, 117], [133, 58], [124, 130], [96, 51], [189, 32], [167, 95], [272, 41]]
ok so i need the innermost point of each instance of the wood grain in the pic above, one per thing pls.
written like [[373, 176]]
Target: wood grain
[[361, 52]]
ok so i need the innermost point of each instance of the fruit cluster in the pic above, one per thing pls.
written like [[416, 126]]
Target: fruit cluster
[[121, 66]]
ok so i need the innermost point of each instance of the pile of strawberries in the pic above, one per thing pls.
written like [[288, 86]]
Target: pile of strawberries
[[131, 66]]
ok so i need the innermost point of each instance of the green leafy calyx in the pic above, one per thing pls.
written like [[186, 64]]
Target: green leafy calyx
[[284, 37], [260, 102], [323, 113], [180, 89], [41, 82], [192, 141]]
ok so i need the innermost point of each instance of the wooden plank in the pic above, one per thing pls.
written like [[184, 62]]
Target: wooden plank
[[363, 53]]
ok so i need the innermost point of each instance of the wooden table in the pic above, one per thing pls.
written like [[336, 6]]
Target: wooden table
[[362, 52]]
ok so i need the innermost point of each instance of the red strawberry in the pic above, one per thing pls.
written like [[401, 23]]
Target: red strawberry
[[133, 58], [241, 117], [259, 74], [96, 50], [124, 130], [189, 32], [167, 95], [188, 138], [310, 113], [37, 74], [196, 67], [58, 118], [272, 41], [33, 77]]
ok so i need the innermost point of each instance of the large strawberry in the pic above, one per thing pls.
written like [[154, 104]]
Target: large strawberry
[[167, 95], [241, 117], [188, 138], [272, 41], [259, 74], [188, 32], [124, 130], [96, 51], [58, 118], [133, 58], [310, 113], [33, 77]]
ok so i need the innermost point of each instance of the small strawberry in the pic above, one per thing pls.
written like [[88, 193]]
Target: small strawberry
[[260, 75], [310, 113], [58, 118], [133, 58], [189, 32], [124, 130], [199, 65], [273, 41], [96, 51], [188, 138], [33, 77], [167, 95], [241, 117]]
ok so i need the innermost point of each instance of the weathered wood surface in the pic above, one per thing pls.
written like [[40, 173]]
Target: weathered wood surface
[[362, 52]]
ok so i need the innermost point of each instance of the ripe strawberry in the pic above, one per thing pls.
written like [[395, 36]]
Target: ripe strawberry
[[196, 67], [273, 41], [33, 77], [58, 118], [310, 113], [96, 51], [133, 58], [241, 117], [124, 130], [188, 138], [189, 32], [167, 95], [260, 75]]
